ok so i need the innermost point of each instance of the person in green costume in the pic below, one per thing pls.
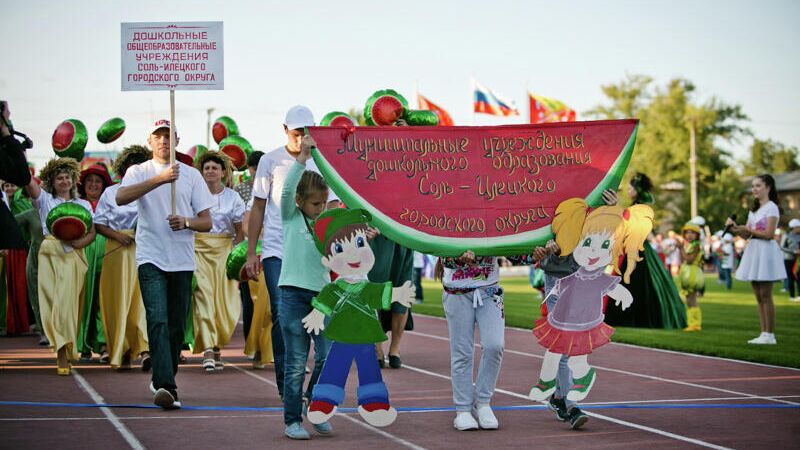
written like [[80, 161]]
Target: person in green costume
[[658, 304], [91, 336], [351, 302]]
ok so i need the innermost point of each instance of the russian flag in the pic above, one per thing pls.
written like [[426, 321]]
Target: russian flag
[[487, 102]]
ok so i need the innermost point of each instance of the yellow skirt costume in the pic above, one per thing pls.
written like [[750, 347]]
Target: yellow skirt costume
[[259, 340], [216, 300], [62, 276], [121, 306]]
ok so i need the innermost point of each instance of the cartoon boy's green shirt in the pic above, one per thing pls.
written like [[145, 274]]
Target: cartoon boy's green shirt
[[352, 308]]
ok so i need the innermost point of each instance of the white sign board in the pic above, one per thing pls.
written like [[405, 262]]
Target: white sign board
[[172, 55]]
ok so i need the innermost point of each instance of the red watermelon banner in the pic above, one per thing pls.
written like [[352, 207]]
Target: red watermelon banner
[[492, 190]]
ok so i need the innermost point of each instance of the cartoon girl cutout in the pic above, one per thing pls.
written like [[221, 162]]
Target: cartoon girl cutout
[[575, 325]]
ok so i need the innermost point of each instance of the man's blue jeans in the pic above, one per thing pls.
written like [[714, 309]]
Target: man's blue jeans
[[272, 272], [166, 297], [296, 304]]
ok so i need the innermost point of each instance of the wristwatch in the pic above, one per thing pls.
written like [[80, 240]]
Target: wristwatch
[[186, 223]]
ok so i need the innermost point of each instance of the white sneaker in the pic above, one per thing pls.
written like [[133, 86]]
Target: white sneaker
[[764, 339], [464, 421], [794, 299], [486, 418]]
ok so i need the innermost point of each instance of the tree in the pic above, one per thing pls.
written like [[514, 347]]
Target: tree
[[768, 156], [662, 148]]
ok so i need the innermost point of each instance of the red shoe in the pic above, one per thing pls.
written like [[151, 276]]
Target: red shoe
[[320, 411]]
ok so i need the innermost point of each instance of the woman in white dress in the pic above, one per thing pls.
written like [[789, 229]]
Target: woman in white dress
[[216, 303], [762, 262], [62, 265]]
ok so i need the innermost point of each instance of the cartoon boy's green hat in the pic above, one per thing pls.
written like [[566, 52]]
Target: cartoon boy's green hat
[[333, 220]]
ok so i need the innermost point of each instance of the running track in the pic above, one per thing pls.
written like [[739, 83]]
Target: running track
[[643, 398]]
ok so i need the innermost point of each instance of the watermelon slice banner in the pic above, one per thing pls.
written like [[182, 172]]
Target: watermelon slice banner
[[492, 190]]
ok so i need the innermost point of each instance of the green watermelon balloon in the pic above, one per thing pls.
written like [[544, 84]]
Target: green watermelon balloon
[[224, 127], [111, 130], [197, 151], [421, 118], [70, 139], [238, 149], [384, 107], [69, 221], [234, 265], [337, 119]]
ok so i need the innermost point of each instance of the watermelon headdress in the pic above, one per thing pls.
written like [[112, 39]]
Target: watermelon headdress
[[69, 139], [196, 151], [337, 119]]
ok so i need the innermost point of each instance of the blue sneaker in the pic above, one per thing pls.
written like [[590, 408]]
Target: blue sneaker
[[323, 428], [296, 431]]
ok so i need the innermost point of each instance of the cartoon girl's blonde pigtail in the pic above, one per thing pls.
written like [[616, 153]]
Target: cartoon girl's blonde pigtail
[[638, 223], [568, 224]]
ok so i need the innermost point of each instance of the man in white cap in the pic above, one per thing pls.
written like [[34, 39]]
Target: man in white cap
[[790, 244], [165, 251], [266, 215]]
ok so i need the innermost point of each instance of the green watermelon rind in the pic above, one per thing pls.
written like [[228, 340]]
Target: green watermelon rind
[[79, 140], [81, 214], [375, 96], [233, 269], [230, 125], [240, 142], [516, 244], [421, 117], [106, 136], [328, 118]]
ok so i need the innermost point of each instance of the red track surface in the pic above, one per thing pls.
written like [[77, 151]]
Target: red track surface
[[626, 375]]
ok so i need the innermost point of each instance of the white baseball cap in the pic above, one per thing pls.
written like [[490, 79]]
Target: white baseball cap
[[299, 116], [794, 223], [162, 123]]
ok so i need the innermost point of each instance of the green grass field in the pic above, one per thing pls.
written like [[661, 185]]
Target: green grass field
[[730, 318]]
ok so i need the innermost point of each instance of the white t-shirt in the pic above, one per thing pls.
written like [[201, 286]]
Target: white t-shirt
[[268, 184], [47, 202], [156, 243], [758, 219], [110, 214], [727, 258], [227, 210]]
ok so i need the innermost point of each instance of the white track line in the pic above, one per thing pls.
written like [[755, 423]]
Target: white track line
[[393, 438], [98, 399], [662, 350], [593, 414], [635, 374], [390, 436]]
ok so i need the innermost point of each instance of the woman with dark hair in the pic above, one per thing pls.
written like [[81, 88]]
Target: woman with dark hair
[[762, 262], [63, 261], [658, 304], [91, 336]]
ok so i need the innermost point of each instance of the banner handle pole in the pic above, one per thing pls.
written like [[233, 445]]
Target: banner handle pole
[[172, 142]]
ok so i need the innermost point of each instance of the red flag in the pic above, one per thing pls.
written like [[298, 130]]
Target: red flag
[[545, 110], [444, 118]]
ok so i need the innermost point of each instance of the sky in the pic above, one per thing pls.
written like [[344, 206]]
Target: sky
[[62, 59]]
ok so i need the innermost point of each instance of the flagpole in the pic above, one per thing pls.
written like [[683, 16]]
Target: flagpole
[[472, 102]]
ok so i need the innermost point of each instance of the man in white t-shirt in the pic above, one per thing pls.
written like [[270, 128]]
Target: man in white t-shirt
[[266, 215], [165, 251]]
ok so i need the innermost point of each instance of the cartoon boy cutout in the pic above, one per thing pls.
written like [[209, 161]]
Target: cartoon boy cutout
[[351, 302]]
